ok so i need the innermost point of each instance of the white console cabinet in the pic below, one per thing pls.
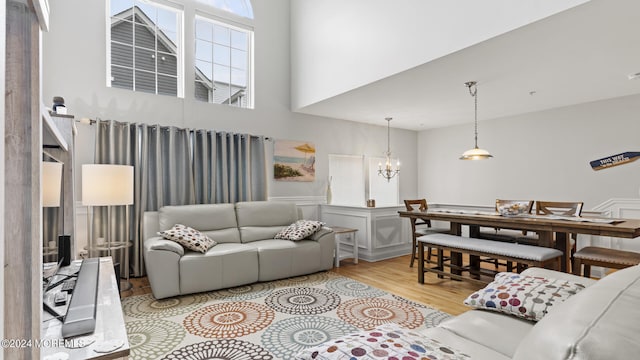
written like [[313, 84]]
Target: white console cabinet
[[381, 234]]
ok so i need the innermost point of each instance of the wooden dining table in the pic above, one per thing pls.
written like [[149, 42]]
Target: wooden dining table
[[553, 231]]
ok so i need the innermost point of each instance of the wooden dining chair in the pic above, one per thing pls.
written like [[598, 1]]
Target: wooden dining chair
[[420, 227], [559, 208], [562, 208], [505, 235]]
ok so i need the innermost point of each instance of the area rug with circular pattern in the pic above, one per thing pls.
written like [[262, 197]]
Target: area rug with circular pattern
[[271, 320]]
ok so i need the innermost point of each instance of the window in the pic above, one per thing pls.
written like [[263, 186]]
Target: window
[[145, 47], [239, 7], [223, 63]]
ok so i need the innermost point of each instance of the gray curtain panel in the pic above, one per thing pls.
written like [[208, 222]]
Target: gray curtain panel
[[174, 166]]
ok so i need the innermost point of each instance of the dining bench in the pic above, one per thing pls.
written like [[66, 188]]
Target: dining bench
[[522, 254]]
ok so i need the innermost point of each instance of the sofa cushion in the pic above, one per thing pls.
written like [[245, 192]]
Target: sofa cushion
[[528, 297], [283, 258], [491, 329], [299, 230], [224, 265], [473, 349], [189, 238], [602, 322], [218, 221], [260, 220], [389, 341], [160, 243]]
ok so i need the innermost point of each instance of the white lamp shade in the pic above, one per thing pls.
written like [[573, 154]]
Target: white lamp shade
[[476, 154], [51, 183], [104, 185]]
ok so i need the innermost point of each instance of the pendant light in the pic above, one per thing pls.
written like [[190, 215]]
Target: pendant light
[[476, 153], [388, 172]]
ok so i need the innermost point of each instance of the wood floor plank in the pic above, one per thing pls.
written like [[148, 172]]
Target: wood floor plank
[[395, 276], [392, 275]]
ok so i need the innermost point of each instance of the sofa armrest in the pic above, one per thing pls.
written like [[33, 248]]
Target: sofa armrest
[[553, 274], [158, 243], [323, 232], [162, 261], [326, 238]]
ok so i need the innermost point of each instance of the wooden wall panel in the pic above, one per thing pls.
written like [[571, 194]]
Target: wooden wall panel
[[23, 148]]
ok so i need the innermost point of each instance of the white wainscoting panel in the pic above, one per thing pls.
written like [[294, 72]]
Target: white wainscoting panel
[[381, 234], [613, 208]]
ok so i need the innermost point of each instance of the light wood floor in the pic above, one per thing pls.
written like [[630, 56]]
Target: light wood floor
[[392, 275]]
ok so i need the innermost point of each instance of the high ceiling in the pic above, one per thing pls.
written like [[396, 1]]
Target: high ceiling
[[581, 55]]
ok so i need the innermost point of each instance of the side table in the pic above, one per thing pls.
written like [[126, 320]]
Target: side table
[[111, 247], [349, 234]]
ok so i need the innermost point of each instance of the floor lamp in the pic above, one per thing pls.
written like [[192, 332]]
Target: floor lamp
[[108, 185], [51, 191]]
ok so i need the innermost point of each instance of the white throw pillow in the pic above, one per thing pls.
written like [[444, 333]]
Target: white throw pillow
[[189, 238], [299, 230], [528, 297]]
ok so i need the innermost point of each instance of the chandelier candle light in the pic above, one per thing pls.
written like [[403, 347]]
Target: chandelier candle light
[[388, 172], [475, 153]]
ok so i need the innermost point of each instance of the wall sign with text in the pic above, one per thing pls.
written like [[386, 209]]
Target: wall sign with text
[[614, 160]]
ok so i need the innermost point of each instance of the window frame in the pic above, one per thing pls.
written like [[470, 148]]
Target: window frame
[[180, 48], [235, 22]]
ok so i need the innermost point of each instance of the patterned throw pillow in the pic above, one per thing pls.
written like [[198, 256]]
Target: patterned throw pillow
[[388, 341], [527, 297], [299, 230], [189, 238]]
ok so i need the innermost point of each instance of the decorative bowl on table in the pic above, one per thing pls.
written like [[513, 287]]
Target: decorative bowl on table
[[514, 209]]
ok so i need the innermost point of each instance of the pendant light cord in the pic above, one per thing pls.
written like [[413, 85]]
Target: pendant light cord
[[475, 96], [474, 93], [388, 138]]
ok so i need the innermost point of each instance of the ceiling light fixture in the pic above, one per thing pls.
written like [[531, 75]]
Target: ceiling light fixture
[[476, 153], [388, 172]]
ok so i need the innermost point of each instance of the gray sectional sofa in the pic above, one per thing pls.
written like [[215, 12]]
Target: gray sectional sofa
[[600, 322], [246, 251]]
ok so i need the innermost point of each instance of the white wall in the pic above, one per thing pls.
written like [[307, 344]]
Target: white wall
[[539, 156], [339, 45], [74, 67]]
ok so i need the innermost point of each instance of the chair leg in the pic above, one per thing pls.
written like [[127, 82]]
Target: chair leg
[[413, 251], [576, 266], [587, 270], [429, 253], [440, 262]]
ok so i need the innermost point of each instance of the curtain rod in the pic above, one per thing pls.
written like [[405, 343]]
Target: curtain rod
[[89, 121]]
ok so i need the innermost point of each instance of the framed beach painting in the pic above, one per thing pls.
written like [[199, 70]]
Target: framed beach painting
[[294, 160]]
